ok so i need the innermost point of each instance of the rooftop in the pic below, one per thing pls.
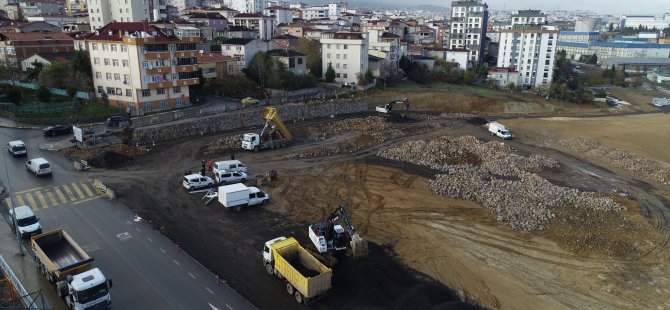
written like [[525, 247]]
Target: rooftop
[[60, 57], [213, 57], [27, 36], [115, 31], [237, 41], [250, 15], [285, 37]]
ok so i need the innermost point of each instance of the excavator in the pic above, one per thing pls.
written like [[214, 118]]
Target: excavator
[[274, 133], [330, 236], [388, 108]]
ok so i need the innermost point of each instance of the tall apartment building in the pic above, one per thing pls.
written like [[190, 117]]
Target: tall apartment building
[[468, 27], [530, 50], [103, 12], [347, 53], [529, 17], [247, 6], [142, 68]]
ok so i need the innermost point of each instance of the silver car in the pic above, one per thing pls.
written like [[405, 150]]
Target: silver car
[[231, 177]]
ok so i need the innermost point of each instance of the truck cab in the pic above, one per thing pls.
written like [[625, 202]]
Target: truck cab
[[251, 141], [87, 290], [267, 252]]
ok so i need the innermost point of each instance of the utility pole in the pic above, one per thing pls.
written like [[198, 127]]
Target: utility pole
[[13, 201]]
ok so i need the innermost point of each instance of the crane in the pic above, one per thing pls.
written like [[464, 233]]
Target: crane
[[274, 134], [331, 236]]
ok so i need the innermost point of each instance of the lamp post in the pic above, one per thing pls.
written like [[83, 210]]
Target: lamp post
[[13, 202]]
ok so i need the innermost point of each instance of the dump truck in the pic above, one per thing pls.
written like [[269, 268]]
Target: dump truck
[[274, 133], [307, 279], [70, 270]]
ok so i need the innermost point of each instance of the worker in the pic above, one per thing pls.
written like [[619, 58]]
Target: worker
[[203, 164], [232, 155], [210, 165], [202, 171]]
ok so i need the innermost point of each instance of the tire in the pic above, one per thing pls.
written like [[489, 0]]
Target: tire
[[264, 202], [298, 297], [289, 288], [269, 269], [256, 148], [243, 180], [190, 189]]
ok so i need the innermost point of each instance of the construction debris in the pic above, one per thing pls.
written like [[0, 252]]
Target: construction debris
[[222, 145]]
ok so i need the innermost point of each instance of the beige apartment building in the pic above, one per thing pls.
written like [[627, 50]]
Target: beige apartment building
[[142, 68]]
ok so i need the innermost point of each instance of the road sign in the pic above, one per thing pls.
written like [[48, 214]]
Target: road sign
[[78, 133]]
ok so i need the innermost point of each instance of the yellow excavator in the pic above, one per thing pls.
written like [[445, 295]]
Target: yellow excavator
[[274, 133]]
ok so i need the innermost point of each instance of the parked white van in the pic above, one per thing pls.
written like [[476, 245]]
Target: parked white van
[[229, 165], [193, 181], [26, 222], [39, 166], [17, 148]]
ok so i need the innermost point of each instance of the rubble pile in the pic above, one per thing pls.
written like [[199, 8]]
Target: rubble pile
[[492, 175], [368, 124], [458, 115], [75, 153], [222, 145], [640, 166]]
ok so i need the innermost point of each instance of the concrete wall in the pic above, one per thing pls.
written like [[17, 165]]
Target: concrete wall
[[243, 118]]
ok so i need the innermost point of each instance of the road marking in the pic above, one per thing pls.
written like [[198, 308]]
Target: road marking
[[87, 189], [138, 229], [28, 190], [229, 307], [176, 262], [213, 308], [192, 276], [76, 189], [61, 196], [162, 250], [69, 193], [52, 198], [43, 201], [31, 201], [85, 200], [209, 290], [20, 200], [149, 239], [8, 201]]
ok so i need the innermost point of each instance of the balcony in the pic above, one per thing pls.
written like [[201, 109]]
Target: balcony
[[159, 70], [187, 68], [156, 55], [186, 54], [163, 84], [188, 82]]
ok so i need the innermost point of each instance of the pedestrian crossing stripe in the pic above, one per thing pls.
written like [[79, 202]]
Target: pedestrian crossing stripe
[[45, 197]]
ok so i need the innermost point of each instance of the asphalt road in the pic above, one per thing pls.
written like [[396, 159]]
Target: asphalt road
[[149, 271]]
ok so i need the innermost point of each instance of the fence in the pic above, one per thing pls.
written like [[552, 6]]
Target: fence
[[27, 300], [26, 110], [55, 91]]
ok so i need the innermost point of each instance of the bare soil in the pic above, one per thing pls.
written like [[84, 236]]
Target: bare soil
[[426, 250]]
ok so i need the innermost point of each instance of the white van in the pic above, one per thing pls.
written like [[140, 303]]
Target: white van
[[39, 166], [28, 224], [193, 181], [498, 129], [17, 148], [229, 165]]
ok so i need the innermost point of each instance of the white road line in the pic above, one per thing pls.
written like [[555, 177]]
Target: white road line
[[229, 307], [138, 229], [192, 276], [176, 262], [209, 290], [162, 250], [149, 239]]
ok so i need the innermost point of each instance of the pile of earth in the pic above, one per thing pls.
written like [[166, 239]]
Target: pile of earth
[[112, 156]]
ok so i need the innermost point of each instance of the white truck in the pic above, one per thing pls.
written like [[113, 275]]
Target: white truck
[[498, 129], [236, 196]]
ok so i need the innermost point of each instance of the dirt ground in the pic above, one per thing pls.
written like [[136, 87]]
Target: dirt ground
[[426, 250]]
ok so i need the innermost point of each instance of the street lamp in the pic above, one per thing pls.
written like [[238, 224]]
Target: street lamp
[[13, 201]]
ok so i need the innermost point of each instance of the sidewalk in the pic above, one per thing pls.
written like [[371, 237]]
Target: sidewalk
[[8, 123]]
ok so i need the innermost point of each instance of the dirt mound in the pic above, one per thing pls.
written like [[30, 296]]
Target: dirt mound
[[112, 156], [109, 160], [477, 120], [221, 146]]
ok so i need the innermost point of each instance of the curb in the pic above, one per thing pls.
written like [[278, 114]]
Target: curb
[[20, 127]]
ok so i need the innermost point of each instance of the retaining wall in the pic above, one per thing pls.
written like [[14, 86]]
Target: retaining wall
[[243, 118]]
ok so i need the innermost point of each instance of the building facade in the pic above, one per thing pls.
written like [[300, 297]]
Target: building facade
[[15, 47], [264, 25], [141, 68], [347, 53], [103, 12], [604, 50], [468, 27], [281, 14], [246, 6], [243, 49], [530, 50], [528, 17]]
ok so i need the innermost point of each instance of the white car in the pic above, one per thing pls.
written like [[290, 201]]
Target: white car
[[17, 148], [39, 166], [193, 181], [28, 224], [230, 177]]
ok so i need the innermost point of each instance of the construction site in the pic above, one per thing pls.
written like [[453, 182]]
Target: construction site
[[569, 213]]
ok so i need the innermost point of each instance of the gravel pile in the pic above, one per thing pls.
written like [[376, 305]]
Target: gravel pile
[[492, 175], [75, 153], [638, 165], [222, 145], [458, 115], [370, 123]]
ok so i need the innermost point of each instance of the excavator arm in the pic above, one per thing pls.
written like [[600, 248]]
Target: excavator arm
[[271, 116]]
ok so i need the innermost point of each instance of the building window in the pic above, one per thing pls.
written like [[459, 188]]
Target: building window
[[146, 92], [100, 90], [110, 90], [344, 75], [160, 91], [123, 48], [177, 102], [113, 47], [115, 62], [126, 78], [147, 79], [94, 46], [337, 56], [337, 75], [124, 62], [345, 46], [96, 61], [117, 77], [176, 90], [145, 64], [107, 62], [98, 76], [328, 55], [344, 56], [163, 104], [108, 76], [299, 61], [337, 66], [344, 66], [104, 47], [129, 92], [147, 106]]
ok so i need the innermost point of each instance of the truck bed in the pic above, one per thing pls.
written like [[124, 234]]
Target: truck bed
[[306, 272], [61, 253]]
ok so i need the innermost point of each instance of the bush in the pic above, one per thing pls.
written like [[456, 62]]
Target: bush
[[14, 95], [330, 74], [43, 94]]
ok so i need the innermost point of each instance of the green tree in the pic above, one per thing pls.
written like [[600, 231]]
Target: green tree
[[611, 28], [80, 63], [562, 67], [593, 59], [33, 73], [71, 92], [57, 75], [260, 69], [405, 64], [312, 49], [511, 87], [420, 74], [368, 76], [43, 94], [14, 95], [330, 73], [238, 87], [469, 77]]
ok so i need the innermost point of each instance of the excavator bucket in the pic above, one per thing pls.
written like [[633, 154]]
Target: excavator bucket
[[359, 247]]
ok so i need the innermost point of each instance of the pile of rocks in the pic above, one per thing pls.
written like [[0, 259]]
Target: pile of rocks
[[638, 165], [75, 153], [493, 175], [367, 124], [458, 115], [222, 145]]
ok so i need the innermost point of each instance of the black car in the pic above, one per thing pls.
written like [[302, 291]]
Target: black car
[[57, 130], [116, 121]]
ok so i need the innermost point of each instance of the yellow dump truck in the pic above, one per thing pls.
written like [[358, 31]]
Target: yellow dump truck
[[307, 279]]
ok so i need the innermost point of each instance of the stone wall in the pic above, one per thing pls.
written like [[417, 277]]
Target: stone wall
[[243, 118]]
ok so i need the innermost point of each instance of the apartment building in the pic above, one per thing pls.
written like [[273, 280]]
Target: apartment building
[[15, 47], [247, 6], [385, 46], [605, 50], [255, 21], [528, 17], [347, 53], [331, 11], [243, 49], [281, 14], [530, 50], [103, 12], [468, 27], [141, 68]]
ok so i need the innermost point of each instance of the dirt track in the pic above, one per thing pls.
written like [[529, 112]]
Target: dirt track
[[456, 242]]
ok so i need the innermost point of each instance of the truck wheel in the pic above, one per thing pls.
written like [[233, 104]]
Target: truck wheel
[[237, 209], [269, 269], [191, 188], [289, 288], [298, 297], [256, 148]]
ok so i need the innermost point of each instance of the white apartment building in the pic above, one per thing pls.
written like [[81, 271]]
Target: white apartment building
[[386, 46], [243, 49], [141, 68], [255, 21], [530, 50], [281, 14], [468, 27], [103, 12], [331, 11], [183, 4], [528, 17], [246, 6], [347, 53]]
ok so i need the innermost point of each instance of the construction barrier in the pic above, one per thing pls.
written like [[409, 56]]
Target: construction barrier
[[104, 189], [16, 284]]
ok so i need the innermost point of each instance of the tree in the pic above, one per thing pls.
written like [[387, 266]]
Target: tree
[[593, 60], [80, 63], [259, 69], [71, 92], [368, 76], [469, 77], [57, 75], [638, 81], [105, 99], [43, 94], [312, 49], [511, 86], [420, 74], [611, 28], [34, 71], [405, 64], [14, 95], [330, 73]]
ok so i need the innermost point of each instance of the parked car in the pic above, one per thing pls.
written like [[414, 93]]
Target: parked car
[[229, 165], [17, 148], [118, 120], [39, 166], [57, 130], [193, 181], [230, 177], [28, 224]]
